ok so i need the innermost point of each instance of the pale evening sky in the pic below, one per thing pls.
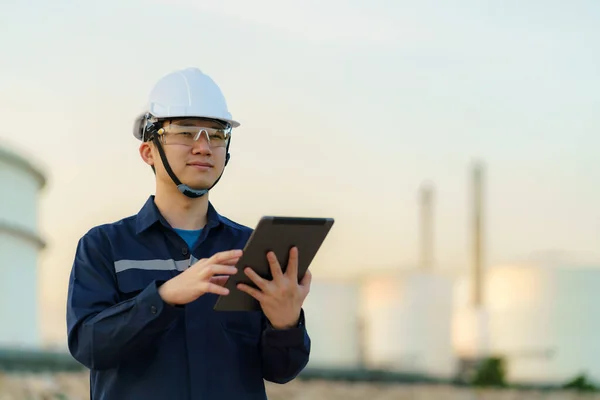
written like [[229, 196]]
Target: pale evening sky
[[346, 108]]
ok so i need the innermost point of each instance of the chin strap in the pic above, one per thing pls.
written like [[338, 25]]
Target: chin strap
[[152, 132]]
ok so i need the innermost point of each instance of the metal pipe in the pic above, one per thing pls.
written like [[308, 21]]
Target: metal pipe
[[426, 228], [477, 192]]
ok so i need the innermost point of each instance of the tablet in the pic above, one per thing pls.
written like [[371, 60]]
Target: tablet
[[277, 234]]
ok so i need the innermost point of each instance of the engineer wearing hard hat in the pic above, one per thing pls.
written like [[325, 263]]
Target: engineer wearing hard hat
[[142, 290]]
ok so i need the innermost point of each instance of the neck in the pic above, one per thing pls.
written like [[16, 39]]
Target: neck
[[180, 211]]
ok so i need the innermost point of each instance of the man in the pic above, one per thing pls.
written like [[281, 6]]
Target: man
[[141, 292]]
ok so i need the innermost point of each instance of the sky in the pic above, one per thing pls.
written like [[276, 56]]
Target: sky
[[346, 107]]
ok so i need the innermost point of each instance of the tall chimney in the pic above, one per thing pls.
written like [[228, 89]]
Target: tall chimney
[[477, 192], [426, 202]]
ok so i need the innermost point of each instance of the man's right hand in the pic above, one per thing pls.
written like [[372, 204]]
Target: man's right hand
[[200, 278]]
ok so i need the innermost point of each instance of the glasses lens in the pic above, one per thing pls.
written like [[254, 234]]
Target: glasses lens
[[188, 132]]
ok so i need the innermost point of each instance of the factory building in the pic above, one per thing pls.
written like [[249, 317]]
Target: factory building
[[20, 247]]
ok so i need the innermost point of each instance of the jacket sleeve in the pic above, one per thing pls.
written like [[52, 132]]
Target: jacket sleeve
[[102, 330], [285, 353]]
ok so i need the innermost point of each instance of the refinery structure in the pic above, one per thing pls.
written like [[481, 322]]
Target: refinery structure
[[541, 318], [20, 247]]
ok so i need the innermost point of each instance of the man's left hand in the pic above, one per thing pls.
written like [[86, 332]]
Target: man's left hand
[[281, 299]]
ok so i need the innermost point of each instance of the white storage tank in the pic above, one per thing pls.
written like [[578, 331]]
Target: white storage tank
[[545, 319], [408, 323], [20, 244], [333, 324], [470, 323]]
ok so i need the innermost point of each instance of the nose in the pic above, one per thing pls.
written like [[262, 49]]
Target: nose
[[202, 146]]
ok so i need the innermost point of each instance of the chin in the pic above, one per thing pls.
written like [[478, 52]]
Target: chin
[[198, 180], [199, 184]]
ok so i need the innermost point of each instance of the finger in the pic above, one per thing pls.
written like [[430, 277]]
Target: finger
[[208, 287], [216, 269], [292, 267], [219, 280], [218, 256], [231, 261], [306, 279], [258, 281], [206, 261], [276, 271], [221, 257], [257, 294]]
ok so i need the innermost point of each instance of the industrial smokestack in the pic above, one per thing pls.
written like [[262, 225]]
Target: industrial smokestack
[[477, 192], [426, 202]]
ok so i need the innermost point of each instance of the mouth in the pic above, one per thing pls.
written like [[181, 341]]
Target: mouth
[[201, 165]]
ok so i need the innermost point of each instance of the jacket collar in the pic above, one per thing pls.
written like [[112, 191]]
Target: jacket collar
[[149, 215]]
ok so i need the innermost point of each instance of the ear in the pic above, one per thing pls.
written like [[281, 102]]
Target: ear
[[146, 153]]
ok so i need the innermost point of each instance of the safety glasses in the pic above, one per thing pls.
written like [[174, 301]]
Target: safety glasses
[[187, 132]]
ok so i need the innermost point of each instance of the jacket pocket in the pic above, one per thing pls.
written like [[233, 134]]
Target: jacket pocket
[[131, 282]]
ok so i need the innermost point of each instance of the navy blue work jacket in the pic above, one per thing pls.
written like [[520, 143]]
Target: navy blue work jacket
[[137, 347]]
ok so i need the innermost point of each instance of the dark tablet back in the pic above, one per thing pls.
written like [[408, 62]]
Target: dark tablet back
[[277, 234]]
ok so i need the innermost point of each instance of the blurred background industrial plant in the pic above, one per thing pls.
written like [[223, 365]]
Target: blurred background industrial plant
[[538, 318]]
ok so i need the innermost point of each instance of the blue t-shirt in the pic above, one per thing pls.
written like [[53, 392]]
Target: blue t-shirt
[[190, 237]]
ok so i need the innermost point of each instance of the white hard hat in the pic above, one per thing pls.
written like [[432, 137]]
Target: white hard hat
[[185, 93]]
